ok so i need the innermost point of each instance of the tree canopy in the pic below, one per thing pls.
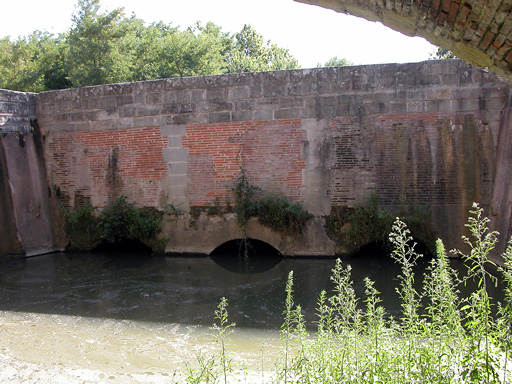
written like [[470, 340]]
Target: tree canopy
[[336, 62], [110, 47], [442, 53]]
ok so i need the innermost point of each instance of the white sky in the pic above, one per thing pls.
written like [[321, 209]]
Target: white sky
[[312, 34]]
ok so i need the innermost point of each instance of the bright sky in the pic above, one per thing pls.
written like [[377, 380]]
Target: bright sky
[[312, 34]]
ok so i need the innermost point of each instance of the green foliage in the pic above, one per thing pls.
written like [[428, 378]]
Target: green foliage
[[504, 322], [223, 330], [122, 220], [281, 215], [99, 45], [273, 211], [245, 194], [365, 223], [118, 221], [368, 223], [109, 47], [30, 63], [403, 253], [83, 228], [442, 53], [249, 53], [479, 362], [208, 370], [336, 62], [443, 304], [362, 345]]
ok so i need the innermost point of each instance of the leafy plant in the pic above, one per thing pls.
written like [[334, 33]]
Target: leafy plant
[[118, 221], [122, 220], [445, 344], [404, 254], [82, 228], [273, 211], [223, 329], [480, 364], [368, 223], [282, 215]]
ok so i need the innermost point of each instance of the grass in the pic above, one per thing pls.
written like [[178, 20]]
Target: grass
[[452, 339]]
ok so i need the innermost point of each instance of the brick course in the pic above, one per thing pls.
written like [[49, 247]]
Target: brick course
[[103, 165], [269, 151]]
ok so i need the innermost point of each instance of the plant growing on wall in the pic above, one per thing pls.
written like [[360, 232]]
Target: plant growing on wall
[[118, 221], [82, 228], [274, 211], [368, 223]]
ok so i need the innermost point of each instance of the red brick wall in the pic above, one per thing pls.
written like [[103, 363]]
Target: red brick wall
[[106, 164], [269, 151]]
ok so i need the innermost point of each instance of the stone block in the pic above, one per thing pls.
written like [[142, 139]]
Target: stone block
[[177, 168], [178, 180], [287, 113], [264, 115], [219, 117], [242, 115], [174, 130], [240, 92], [174, 141], [172, 155]]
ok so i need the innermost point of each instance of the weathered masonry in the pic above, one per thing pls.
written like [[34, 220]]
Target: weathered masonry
[[432, 134], [477, 31]]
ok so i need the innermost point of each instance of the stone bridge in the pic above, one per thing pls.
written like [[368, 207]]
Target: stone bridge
[[477, 31], [420, 135]]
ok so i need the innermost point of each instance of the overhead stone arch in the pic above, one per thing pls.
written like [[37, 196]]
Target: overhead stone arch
[[477, 31]]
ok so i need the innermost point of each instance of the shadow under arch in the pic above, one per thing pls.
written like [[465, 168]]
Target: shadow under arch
[[123, 246], [385, 248], [257, 257]]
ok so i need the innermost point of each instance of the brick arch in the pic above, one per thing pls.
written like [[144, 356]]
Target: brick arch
[[477, 31]]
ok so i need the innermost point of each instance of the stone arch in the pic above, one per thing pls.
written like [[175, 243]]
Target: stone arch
[[260, 257], [477, 31], [254, 231]]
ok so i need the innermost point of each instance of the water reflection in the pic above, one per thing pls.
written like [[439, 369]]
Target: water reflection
[[181, 290]]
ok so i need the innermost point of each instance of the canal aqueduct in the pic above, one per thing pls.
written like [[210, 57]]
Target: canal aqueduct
[[435, 134], [418, 134]]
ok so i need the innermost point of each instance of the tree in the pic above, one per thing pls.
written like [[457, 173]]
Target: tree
[[441, 53], [19, 68], [102, 48], [249, 52], [99, 45], [336, 62]]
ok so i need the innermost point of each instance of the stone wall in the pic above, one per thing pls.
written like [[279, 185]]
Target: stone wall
[[25, 216], [418, 134]]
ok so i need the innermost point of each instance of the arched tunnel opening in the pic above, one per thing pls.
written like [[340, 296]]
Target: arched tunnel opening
[[377, 249], [246, 256]]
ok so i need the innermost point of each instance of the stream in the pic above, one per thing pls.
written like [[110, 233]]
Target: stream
[[134, 318]]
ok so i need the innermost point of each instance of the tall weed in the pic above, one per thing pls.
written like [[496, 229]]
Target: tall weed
[[454, 339]]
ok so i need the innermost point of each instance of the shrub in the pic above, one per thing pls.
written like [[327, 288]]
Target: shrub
[[118, 221], [274, 211]]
